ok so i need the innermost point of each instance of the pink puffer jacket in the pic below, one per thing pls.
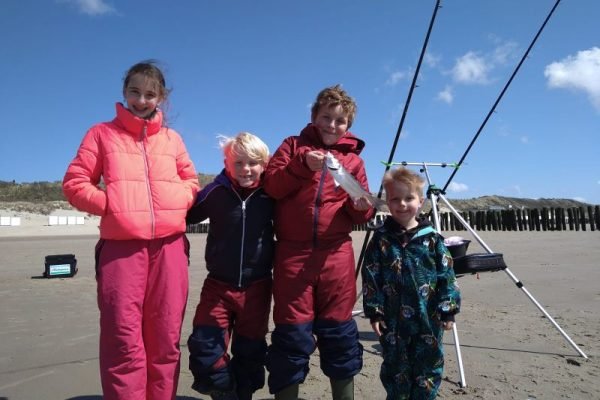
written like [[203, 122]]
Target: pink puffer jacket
[[149, 177]]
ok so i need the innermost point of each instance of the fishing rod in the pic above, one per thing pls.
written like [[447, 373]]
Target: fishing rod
[[407, 163], [400, 125], [493, 109]]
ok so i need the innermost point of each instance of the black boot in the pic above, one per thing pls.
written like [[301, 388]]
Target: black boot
[[342, 389], [288, 393], [214, 394], [228, 395], [244, 393]]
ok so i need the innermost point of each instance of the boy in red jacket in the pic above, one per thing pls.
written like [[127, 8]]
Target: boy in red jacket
[[314, 288]]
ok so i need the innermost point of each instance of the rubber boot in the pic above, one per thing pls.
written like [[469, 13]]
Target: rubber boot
[[244, 393], [342, 389], [228, 395], [288, 393]]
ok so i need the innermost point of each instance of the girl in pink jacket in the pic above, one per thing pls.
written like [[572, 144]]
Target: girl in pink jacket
[[148, 183]]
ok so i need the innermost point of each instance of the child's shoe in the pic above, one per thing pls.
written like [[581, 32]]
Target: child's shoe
[[214, 394], [244, 393], [198, 387], [219, 395]]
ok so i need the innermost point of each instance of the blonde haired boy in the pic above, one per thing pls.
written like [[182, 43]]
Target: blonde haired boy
[[410, 292], [236, 296]]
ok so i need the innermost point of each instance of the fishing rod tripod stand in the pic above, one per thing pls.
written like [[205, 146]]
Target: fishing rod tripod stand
[[434, 194]]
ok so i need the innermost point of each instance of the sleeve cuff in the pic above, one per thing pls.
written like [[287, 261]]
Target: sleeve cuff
[[376, 318], [447, 317]]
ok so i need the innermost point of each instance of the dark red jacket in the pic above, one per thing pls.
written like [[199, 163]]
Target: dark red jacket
[[309, 206]]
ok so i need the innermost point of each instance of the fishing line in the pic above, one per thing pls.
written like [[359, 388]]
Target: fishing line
[[400, 125], [501, 95]]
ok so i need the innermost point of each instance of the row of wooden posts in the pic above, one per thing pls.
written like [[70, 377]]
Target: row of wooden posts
[[544, 219], [533, 219]]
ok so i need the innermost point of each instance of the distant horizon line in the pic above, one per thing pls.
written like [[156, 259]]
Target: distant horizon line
[[13, 181]]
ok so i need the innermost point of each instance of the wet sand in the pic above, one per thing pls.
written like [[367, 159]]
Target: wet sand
[[49, 327]]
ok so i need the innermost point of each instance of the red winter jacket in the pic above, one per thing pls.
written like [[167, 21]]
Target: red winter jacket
[[309, 206], [149, 177]]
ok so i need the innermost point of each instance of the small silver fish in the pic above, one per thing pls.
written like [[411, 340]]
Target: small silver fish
[[344, 179]]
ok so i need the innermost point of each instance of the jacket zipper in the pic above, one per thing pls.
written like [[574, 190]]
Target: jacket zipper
[[243, 234], [147, 175], [316, 218]]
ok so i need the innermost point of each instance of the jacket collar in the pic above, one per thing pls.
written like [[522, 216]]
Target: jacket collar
[[347, 143], [224, 179], [135, 125], [423, 228]]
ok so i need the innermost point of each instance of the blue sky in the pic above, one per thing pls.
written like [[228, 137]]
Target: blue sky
[[257, 66]]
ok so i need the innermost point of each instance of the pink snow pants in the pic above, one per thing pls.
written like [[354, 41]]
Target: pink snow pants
[[142, 294]]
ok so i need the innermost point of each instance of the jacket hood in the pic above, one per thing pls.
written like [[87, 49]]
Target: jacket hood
[[223, 179], [347, 143], [135, 124], [220, 180]]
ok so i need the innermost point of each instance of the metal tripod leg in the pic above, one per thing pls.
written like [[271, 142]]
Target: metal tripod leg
[[461, 370], [436, 220], [518, 283]]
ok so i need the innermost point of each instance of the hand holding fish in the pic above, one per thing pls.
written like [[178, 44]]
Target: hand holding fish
[[361, 204], [344, 179], [315, 160]]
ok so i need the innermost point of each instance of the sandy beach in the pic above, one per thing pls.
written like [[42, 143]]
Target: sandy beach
[[49, 327]]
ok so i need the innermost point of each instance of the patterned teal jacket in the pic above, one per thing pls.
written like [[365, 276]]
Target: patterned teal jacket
[[408, 279]]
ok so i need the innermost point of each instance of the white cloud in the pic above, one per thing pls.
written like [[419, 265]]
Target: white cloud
[[432, 60], [580, 72], [394, 78], [475, 67], [446, 95], [457, 187], [524, 139], [471, 69], [581, 199], [91, 7], [504, 52]]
